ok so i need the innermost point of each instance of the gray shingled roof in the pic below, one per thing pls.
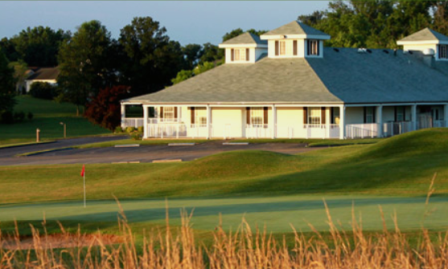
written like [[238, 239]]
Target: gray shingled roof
[[45, 74], [425, 35], [295, 28], [245, 38], [346, 76]]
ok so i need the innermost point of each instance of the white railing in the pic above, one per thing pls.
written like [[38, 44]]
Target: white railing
[[259, 131], [164, 120], [307, 131], [362, 130], [396, 128], [132, 122]]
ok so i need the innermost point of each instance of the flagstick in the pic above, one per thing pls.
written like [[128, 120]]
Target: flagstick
[[84, 181]]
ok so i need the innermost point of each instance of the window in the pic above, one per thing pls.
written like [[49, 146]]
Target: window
[[256, 116], [443, 51], [399, 113], [313, 47], [168, 113], [314, 114], [369, 114], [201, 116], [334, 115], [239, 55], [282, 47]]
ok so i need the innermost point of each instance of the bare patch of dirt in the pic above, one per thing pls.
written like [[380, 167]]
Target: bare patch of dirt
[[59, 241]]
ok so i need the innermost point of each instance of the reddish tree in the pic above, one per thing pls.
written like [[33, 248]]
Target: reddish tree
[[104, 109]]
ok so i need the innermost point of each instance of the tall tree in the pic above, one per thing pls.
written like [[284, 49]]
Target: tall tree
[[211, 53], [39, 46], [9, 49], [20, 74], [82, 63], [192, 54], [153, 60], [7, 85]]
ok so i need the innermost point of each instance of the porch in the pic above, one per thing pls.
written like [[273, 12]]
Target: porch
[[276, 121]]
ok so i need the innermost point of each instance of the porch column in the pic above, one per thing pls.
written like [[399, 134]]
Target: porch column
[[209, 115], [445, 115], [145, 121], [274, 121], [342, 122], [328, 122], [414, 117], [123, 114], [379, 120]]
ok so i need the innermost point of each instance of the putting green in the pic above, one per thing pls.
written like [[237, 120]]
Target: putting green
[[277, 213]]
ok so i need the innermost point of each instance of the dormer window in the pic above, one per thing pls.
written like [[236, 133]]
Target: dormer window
[[239, 55], [313, 47], [443, 51]]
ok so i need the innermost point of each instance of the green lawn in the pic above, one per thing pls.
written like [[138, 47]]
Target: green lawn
[[269, 188], [47, 116]]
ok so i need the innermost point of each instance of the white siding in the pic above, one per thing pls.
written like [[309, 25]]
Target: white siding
[[227, 122], [354, 115]]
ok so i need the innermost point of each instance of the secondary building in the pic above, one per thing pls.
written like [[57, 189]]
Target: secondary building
[[286, 84], [44, 74]]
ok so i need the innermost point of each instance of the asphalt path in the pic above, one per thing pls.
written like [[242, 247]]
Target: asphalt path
[[141, 154]]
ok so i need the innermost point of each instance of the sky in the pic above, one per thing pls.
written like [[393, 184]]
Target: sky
[[186, 21]]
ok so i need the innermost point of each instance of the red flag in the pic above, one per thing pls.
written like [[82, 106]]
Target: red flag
[[83, 171]]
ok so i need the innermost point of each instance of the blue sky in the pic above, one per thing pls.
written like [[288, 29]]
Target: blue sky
[[186, 21]]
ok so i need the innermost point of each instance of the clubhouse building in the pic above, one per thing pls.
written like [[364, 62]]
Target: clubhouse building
[[286, 84]]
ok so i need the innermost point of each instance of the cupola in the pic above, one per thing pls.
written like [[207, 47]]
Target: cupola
[[295, 40], [245, 48], [429, 42]]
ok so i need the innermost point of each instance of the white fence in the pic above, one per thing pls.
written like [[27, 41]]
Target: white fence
[[132, 122], [396, 128], [362, 130]]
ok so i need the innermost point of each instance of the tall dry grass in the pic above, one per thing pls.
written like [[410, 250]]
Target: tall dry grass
[[244, 248]]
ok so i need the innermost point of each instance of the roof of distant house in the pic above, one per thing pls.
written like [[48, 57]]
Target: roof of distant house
[[246, 38], [296, 28], [342, 76], [425, 35], [45, 73]]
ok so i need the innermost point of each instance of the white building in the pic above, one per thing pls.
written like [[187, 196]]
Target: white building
[[45, 74], [286, 84]]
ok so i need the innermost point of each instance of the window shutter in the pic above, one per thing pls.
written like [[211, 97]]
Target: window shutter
[[307, 47], [294, 47], [248, 115], [305, 115], [192, 115], [374, 113], [365, 114], [265, 115], [318, 48], [332, 115], [161, 112], [322, 115], [232, 55], [395, 113], [175, 112], [276, 48], [247, 54]]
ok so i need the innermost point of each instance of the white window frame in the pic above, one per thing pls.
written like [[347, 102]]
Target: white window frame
[[314, 116], [370, 114], [239, 55], [257, 117], [443, 52], [168, 114], [282, 48], [313, 47], [200, 116]]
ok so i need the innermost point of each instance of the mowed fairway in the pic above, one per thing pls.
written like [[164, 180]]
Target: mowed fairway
[[267, 188], [47, 118]]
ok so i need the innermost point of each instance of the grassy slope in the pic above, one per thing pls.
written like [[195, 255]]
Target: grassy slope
[[47, 116], [403, 165]]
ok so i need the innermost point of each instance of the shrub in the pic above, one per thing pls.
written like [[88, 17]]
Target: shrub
[[118, 130], [130, 129], [19, 116], [7, 117], [136, 136], [43, 90], [30, 115], [140, 129]]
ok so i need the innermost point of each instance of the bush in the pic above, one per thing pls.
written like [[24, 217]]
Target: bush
[[19, 116], [43, 90], [7, 117], [136, 136], [30, 115], [118, 130], [130, 129], [140, 129]]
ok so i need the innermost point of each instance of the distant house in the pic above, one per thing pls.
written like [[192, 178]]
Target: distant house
[[286, 84], [44, 74]]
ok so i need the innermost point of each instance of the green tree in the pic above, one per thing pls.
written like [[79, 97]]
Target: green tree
[[239, 31], [9, 49], [20, 74], [82, 63], [192, 54], [201, 68], [153, 60], [211, 53], [182, 75], [7, 85]]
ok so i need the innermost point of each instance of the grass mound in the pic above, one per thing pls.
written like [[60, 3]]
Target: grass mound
[[422, 142], [239, 164]]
